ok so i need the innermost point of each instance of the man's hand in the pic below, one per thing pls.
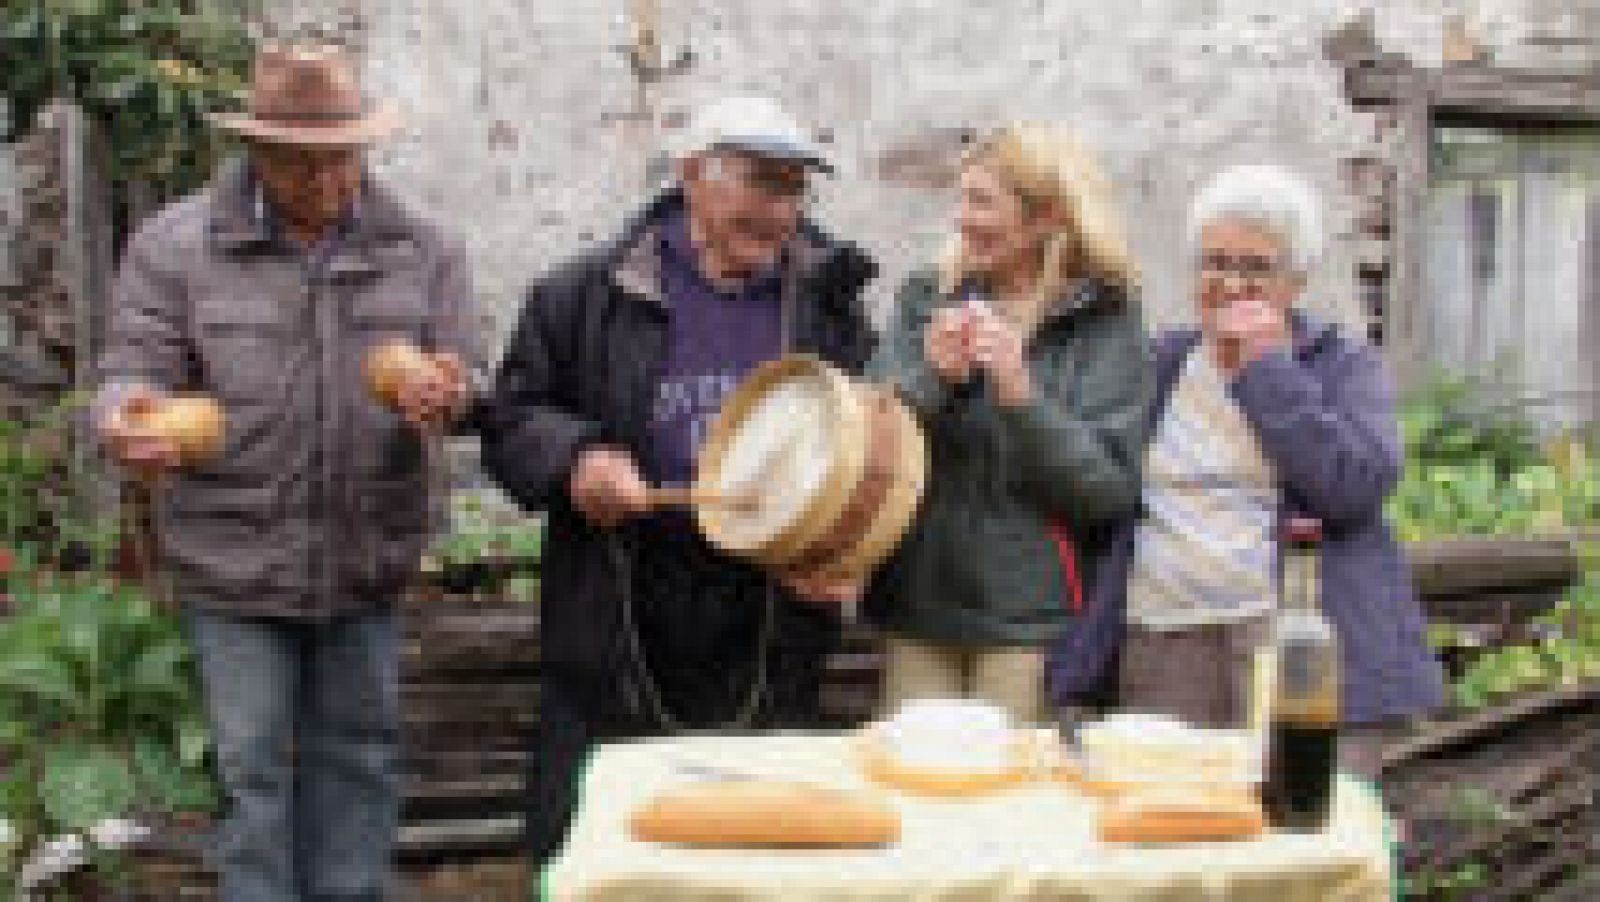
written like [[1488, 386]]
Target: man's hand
[[1000, 350], [944, 344], [1248, 330], [141, 452], [606, 487], [432, 400], [824, 590]]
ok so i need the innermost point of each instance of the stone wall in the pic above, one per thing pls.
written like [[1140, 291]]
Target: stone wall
[[38, 328], [529, 131]]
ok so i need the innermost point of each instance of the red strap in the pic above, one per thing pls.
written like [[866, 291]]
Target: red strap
[[1067, 551]]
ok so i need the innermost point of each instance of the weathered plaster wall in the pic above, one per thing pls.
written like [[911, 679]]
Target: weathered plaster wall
[[520, 131]]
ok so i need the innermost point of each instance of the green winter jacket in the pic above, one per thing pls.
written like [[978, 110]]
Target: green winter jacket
[[1017, 498]]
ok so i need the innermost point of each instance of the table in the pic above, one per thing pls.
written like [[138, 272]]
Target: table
[[1033, 842]]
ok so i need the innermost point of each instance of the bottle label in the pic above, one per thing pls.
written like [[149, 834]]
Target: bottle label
[[1308, 686]]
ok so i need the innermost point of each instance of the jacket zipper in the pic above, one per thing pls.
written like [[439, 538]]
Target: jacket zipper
[[325, 444]]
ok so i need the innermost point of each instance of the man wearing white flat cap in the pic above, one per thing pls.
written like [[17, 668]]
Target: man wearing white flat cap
[[621, 358]]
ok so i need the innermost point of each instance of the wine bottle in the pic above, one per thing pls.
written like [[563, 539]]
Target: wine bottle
[[1302, 745]]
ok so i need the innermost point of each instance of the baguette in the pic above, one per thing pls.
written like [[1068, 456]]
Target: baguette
[[1181, 815], [762, 813]]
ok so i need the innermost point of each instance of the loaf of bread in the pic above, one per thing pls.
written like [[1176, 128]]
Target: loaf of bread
[[762, 813], [1175, 814], [1136, 748]]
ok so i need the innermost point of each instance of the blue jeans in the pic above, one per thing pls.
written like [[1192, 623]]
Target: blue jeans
[[306, 720]]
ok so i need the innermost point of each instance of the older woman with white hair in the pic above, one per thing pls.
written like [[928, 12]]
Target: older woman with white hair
[[1262, 413]]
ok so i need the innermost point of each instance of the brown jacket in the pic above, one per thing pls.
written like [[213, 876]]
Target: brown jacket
[[319, 502]]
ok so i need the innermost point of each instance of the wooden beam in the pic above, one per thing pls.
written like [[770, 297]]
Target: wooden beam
[[1477, 566], [1475, 89], [1377, 80], [1451, 738], [1413, 143]]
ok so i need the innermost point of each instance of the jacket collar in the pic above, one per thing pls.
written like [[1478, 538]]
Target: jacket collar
[[240, 223], [636, 266], [1083, 296]]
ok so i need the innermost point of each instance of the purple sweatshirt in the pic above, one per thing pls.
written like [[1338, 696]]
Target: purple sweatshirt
[[716, 338]]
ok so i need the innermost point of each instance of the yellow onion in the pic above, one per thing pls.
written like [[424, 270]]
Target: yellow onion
[[193, 422]]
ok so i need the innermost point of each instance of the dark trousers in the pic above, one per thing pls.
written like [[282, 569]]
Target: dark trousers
[[582, 708]]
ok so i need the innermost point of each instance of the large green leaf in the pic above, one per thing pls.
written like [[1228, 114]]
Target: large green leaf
[[83, 785], [159, 669], [15, 733], [83, 622], [194, 740], [37, 678], [165, 782]]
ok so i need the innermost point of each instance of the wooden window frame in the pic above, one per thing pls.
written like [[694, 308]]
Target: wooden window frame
[[1420, 99]]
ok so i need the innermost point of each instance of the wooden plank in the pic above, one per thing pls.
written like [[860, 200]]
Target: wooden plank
[[1476, 565], [465, 763], [1475, 89], [1516, 93], [1413, 134], [425, 791], [1553, 789], [473, 709], [496, 878], [1504, 613], [1376, 80], [495, 796], [1534, 883], [1532, 827], [1456, 736], [455, 837], [1583, 886]]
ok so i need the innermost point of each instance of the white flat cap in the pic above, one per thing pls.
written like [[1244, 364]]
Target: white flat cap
[[756, 125]]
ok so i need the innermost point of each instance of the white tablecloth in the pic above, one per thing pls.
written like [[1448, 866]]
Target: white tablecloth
[[1035, 842]]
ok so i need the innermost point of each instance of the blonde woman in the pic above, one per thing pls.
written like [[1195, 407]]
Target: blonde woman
[[1024, 357]]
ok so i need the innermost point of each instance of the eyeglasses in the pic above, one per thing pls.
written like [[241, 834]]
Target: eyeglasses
[[1246, 267]]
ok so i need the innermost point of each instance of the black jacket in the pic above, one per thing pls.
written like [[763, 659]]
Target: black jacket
[[584, 366]]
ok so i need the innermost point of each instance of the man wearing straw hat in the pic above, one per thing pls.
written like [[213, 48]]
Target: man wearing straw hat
[[621, 358], [288, 548]]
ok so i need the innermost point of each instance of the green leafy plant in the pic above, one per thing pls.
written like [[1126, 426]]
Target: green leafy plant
[[487, 551], [145, 71], [1467, 420], [100, 716], [34, 485], [523, 542], [1460, 882], [1567, 652], [1475, 466]]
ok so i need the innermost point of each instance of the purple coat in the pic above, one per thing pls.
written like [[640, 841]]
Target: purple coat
[[1324, 415]]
